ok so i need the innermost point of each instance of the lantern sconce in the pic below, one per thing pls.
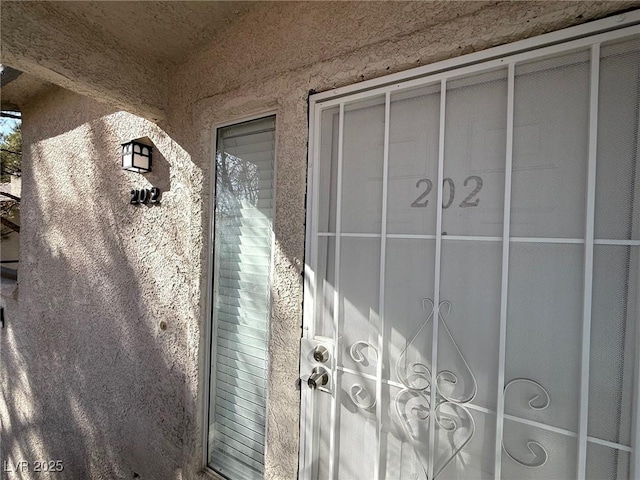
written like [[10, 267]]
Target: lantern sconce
[[136, 156]]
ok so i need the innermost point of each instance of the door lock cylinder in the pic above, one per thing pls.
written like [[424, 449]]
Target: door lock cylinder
[[319, 378], [321, 354]]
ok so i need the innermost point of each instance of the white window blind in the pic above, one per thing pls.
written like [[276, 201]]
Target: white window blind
[[242, 261]]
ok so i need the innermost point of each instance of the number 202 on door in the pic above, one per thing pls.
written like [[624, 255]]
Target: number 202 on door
[[471, 200]]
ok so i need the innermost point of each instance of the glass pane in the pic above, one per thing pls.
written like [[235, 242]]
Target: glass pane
[[362, 166], [474, 155], [242, 260], [550, 141], [618, 175], [413, 161]]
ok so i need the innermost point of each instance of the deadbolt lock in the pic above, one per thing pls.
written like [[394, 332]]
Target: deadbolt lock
[[319, 378], [316, 359], [321, 354]]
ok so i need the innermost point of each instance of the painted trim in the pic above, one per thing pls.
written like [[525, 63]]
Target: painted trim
[[209, 328], [435, 323], [504, 294], [305, 454], [587, 292], [334, 436], [380, 473]]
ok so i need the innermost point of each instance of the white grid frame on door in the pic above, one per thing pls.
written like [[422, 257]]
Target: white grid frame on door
[[587, 37]]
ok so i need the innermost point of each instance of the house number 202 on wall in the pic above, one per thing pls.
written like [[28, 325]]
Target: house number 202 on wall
[[471, 200], [145, 195]]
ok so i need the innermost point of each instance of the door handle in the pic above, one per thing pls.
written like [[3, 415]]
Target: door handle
[[319, 378]]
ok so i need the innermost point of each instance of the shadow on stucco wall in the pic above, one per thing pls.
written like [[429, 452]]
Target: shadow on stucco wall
[[89, 377]]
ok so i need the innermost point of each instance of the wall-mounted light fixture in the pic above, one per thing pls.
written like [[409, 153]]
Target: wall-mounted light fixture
[[136, 157]]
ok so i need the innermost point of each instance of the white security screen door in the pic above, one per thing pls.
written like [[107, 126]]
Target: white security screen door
[[473, 264]]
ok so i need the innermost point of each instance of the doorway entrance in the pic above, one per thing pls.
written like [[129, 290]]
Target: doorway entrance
[[473, 263]]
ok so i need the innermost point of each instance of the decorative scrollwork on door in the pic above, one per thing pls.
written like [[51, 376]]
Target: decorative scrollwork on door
[[455, 381], [415, 375], [356, 351], [412, 407], [358, 393], [538, 452], [455, 385], [538, 399], [456, 427], [361, 397]]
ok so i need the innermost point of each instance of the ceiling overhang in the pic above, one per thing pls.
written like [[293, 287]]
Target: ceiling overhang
[[121, 53]]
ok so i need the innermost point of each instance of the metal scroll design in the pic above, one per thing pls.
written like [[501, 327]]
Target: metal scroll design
[[359, 394], [455, 385], [539, 400], [356, 351], [361, 397]]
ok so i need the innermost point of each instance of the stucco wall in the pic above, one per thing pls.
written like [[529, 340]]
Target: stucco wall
[[327, 46], [88, 376]]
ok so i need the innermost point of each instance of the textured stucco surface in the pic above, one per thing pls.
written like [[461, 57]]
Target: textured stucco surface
[[88, 377], [22, 90], [322, 52], [40, 39]]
